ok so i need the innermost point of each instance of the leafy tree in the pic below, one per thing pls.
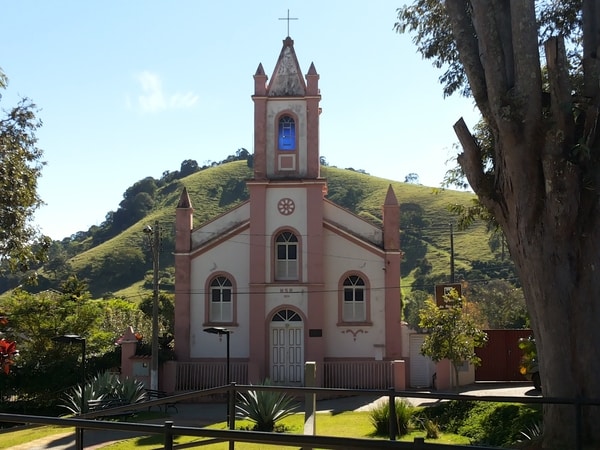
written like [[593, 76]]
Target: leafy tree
[[188, 167], [452, 334], [166, 312], [242, 153], [34, 320], [58, 260], [500, 303], [539, 179], [413, 304], [120, 314], [412, 178], [120, 268], [44, 366], [412, 224], [21, 246]]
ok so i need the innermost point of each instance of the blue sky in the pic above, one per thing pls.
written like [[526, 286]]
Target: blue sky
[[130, 89]]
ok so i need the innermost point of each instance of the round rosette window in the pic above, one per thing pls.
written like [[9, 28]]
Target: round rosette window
[[286, 206]]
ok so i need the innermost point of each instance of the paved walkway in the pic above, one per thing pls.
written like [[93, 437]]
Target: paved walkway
[[202, 414]]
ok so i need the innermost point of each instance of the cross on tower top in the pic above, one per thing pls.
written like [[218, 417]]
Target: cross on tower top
[[288, 18]]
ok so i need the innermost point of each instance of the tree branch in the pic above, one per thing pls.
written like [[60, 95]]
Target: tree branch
[[591, 44], [468, 49], [528, 77], [487, 14], [471, 161], [560, 96]]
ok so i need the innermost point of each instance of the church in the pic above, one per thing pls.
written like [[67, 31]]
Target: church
[[288, 276]]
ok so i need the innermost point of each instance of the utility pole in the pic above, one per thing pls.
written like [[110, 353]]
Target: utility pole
[[451, 254], [154, 240]]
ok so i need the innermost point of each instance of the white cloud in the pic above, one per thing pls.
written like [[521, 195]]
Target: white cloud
[[153, 98], [186, 100]]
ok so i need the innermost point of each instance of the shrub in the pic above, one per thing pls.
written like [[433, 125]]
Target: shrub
[[498, 424], [380, 417], [432, 429], [449, 415], [265, 408], [486, 423]]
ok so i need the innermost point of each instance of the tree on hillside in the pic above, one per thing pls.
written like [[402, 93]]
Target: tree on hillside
[[21, 245], [539, 178], [412, 178], [188, 167]]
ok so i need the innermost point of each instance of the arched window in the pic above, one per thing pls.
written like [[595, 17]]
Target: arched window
[[354, 301], [287, 133], [221, 300], [286, 256]]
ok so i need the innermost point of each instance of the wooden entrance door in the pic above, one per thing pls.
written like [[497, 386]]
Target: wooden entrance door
[[287, 348]]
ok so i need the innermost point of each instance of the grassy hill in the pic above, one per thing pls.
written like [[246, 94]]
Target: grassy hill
[[119, 265]]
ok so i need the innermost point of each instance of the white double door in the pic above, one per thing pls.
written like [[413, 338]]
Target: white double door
[[287, 348]]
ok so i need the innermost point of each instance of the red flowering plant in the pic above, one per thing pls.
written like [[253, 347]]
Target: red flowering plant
[[8, 350]]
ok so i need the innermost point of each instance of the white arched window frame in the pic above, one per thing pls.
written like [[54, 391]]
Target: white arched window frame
[[286, 256], [221, 300]]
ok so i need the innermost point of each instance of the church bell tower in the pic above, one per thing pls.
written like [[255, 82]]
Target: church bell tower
[[286, 120]]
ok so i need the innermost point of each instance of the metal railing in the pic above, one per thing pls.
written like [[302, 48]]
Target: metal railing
[[168, 430], [193, 376], [358, 374]]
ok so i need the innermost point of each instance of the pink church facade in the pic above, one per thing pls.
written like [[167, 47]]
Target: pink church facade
[[292, 276]]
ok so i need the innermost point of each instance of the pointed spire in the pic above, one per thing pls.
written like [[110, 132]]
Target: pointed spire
[[184, 199], [390, 197], [391, 221], [259, 71], [260, 81], [312, 81], [287, 79]]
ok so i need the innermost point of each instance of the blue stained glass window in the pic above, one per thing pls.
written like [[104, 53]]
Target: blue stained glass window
[[287, 133]]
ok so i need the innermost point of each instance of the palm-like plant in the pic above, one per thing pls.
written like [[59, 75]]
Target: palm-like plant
[[265, 408]]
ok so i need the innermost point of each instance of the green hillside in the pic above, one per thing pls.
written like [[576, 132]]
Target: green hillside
[[120, 264]]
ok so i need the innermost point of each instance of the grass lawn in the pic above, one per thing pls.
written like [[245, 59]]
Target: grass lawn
[[24, 435], [346, 424]]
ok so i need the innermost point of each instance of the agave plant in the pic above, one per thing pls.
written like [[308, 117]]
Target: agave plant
[[104, 386], [72, 399], [265, 408]]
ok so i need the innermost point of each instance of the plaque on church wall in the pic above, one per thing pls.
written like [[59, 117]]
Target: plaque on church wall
[[315, 332]]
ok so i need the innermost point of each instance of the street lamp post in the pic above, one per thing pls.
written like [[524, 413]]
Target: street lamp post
[[224, 331], [154, 238], [70, 339]]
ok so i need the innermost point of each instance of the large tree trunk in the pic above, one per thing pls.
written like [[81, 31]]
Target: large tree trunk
[[543, 189]]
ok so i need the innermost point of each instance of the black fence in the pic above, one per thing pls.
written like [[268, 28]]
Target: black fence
[[168, 430]]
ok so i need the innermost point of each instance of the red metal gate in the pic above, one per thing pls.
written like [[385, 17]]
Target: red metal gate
[[501, 356]]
